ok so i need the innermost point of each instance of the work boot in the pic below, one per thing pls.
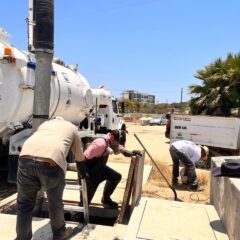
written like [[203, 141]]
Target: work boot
[[107, 192], [109, 203], [65, 235]]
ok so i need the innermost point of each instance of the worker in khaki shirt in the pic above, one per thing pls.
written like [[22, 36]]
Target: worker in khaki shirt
[[43, 163]]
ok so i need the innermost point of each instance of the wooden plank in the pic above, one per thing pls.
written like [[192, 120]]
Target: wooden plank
[[85, 200], [11, 200], [73, 187], [137, 181], [72, 208], [128, 190], [134, 187], [71, 181]]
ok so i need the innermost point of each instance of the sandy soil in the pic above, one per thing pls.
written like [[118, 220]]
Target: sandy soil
[[157, 145]]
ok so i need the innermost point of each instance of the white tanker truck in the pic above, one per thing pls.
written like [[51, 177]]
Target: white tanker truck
[[71, 97]]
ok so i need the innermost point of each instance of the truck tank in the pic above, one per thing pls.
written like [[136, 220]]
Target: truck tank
[[101, 96], [71, 95]]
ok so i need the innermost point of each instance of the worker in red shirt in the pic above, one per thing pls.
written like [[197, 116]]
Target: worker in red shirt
[[96, 156]]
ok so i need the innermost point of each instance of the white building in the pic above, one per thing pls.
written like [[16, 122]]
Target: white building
[[142, 98]]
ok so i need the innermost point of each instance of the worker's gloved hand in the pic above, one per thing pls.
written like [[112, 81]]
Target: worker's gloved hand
[[137, 153], [81, 169], [127, 153]]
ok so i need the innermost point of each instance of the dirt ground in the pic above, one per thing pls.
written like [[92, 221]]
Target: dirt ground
[[157, 145]]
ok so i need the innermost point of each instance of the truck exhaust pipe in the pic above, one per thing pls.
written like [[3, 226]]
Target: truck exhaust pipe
[[44, 24]]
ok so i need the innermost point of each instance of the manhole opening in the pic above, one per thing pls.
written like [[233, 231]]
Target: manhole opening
[[69, 216]]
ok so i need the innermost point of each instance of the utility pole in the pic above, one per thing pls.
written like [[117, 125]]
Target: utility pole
[[41, 14], [181, 107]]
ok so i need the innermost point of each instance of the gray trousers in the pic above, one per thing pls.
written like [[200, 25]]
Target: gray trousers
[[31, 176]]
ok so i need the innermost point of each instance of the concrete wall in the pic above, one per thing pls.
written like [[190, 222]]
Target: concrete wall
[[225, 196]]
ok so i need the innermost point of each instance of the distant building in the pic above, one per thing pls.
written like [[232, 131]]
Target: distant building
[[142, 98]]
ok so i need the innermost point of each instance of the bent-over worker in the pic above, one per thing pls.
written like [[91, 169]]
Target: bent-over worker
[[96, 156], [43, 163], [188, 153]]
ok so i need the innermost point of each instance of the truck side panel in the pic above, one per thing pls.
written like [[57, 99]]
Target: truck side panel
[[212, 131]]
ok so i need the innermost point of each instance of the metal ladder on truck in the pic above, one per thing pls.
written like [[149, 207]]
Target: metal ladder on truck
[[85, 208], [73, 206]]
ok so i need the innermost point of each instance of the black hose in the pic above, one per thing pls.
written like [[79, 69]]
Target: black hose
[[43, 37]]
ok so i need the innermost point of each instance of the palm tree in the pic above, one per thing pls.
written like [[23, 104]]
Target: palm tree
[[220, 87]]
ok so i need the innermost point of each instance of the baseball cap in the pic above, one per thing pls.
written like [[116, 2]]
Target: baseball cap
[[115, 133]]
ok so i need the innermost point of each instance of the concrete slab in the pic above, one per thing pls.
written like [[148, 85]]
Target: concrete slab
[[165, 220], [42, 230], [99, 232], [225, 195], [41, 227]]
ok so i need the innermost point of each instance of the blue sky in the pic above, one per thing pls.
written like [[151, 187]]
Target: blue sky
[[152, 46]]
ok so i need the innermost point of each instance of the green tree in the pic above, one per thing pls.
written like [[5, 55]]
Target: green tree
[[219, 91]]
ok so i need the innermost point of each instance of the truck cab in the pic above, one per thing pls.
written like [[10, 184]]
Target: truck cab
[[105, 111]]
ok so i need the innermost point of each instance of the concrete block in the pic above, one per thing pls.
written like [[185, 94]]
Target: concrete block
[[225, 195]]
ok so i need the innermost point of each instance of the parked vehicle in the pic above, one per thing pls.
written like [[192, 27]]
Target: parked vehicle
[[71, 97], [220, 132], [144, 121], [158, 121]]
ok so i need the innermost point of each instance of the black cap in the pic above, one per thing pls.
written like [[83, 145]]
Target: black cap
[[230, 168]]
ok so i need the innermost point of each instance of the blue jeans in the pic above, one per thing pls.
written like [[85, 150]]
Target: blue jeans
[[188, 163], [31, 177]]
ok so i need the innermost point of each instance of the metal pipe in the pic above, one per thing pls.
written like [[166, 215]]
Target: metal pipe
[[43, 42], [44, 24], [169, 185]]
